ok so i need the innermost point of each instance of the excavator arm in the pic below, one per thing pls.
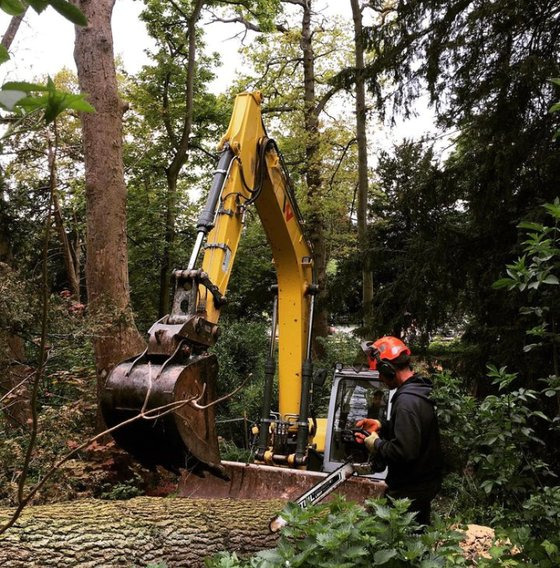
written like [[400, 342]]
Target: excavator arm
[[177, 366]]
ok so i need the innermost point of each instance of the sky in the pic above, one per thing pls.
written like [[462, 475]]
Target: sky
[[44, 44]]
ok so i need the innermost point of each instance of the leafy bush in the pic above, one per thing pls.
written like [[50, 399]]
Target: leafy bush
[[498, 465], [345, 535]]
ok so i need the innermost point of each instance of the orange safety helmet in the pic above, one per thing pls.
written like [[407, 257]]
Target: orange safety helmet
[[388, 349]]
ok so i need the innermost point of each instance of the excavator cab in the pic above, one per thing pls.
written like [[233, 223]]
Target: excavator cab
[[357, 392]]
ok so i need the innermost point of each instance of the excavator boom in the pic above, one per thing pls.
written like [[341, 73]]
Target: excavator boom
[[176, 367]]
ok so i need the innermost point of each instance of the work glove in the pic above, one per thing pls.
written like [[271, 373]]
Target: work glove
[[367, 426], [369, 442]]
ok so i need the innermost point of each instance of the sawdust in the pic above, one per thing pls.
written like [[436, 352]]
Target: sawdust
[[477, 542]]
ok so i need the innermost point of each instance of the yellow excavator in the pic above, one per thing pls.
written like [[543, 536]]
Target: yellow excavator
[[176, 373]]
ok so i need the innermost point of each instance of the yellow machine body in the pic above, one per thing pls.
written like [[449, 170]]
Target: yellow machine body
[[290, 251], [177, 368]]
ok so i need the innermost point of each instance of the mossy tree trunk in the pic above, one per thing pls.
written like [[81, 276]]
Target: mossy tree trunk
[[138, 532]]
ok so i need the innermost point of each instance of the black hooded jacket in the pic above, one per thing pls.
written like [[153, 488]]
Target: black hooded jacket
[[409, 442]]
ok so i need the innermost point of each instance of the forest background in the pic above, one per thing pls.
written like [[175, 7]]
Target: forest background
[[451, 245]]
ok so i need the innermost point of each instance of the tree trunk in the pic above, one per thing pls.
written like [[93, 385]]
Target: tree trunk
[[313, 173], [15, 377], [179, 159], [12, 29], [71, 273], [145, 530], [362, 200], [107, 257]]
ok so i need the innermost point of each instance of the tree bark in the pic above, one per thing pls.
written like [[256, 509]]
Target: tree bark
[[362, 198], [107, 256], [12, 29], [138, 532]]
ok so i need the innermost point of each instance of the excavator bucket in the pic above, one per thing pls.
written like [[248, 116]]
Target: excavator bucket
[[177, 435], [252, 481]]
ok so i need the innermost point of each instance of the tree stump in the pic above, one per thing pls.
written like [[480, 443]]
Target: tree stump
[[139, 532]]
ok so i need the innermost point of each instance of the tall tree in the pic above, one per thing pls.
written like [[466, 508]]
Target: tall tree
[[309, 50], [362, 194], [107, 259], [486, 67]]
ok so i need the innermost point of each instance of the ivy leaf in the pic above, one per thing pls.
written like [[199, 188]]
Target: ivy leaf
[[69, 11], [12, 7]]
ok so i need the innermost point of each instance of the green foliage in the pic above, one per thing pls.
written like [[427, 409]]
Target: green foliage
[[486, 67], [241, 351], [536, 274], [122, 491], [345, 535], [19, 97], [63, 7], [502, 457], [416, 230]]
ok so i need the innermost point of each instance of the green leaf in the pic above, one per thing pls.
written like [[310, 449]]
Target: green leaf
[[23, 86], [503, 283], [69, 11], [540, 415], [12, 7], [549, 547], [551, 279], [554, 108], [382, 556], [38, 5], [78, 102], [496, 551], [530, 225], [555, 80], [4, 55]]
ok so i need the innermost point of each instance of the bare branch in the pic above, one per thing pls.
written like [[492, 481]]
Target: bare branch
[[146, 415], [12, 29], [13, 389], [194, 403], [344, 151]]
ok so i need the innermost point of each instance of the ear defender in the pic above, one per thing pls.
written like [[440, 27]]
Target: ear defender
[[384, 366]]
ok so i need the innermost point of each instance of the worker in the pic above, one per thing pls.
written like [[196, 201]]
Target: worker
[[375, 404], [409, 441]]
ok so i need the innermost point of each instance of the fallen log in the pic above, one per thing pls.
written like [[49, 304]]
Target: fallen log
[[138, 532]]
